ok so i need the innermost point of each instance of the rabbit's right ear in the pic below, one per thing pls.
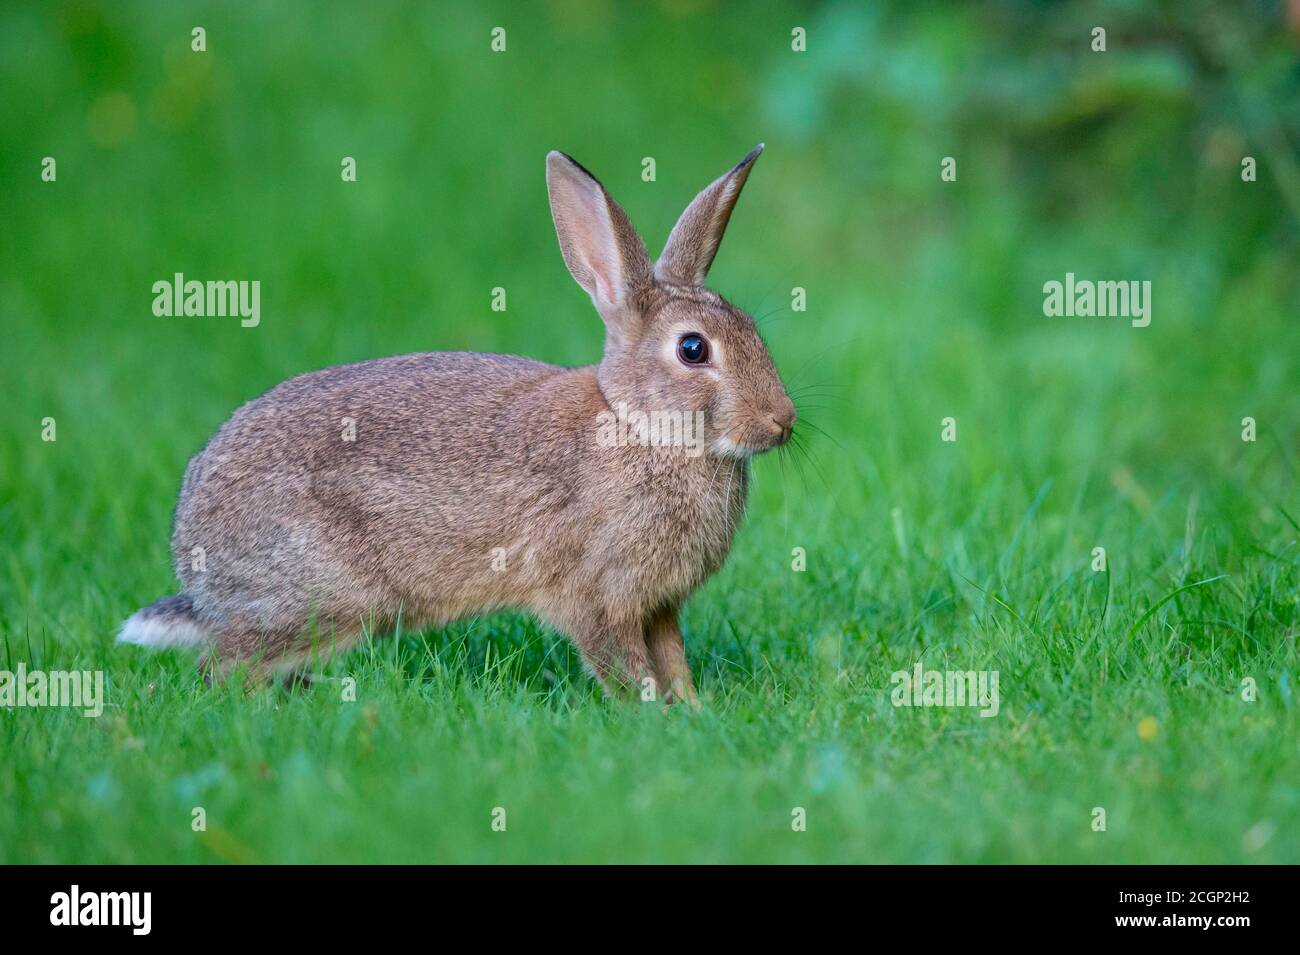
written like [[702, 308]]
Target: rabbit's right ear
[[600, 246]]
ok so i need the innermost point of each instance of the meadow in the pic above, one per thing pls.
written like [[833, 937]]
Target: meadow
[[1160, 689]]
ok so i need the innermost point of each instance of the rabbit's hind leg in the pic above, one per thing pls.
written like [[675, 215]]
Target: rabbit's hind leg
[[257, 657]]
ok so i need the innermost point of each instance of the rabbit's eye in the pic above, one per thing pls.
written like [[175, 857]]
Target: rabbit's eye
[[693, 350]]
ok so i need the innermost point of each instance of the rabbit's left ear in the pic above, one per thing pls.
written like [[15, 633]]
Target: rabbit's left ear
[[694, 241]]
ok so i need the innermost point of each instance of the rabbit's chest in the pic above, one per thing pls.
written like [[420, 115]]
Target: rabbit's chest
[[688, 520]]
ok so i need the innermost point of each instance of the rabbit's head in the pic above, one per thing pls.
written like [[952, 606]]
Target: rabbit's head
[[671, 345]]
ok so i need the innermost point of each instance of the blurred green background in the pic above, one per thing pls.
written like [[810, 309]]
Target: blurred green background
[[924, 301]]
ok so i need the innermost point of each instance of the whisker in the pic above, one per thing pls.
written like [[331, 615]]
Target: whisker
[[817, 390], [835, 346], [726, 504], [721, 459], [799, 445], [773, 316], [825, 434]]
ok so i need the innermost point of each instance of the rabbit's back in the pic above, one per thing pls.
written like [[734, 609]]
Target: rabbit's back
[[394, 481]]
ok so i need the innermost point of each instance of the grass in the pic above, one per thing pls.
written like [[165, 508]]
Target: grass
[[924, 302]]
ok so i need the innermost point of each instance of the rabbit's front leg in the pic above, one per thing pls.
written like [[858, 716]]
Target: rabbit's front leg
[[614, 650], [663, 639]]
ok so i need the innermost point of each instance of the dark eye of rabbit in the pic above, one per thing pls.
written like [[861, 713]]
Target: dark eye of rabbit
[[693, 350]]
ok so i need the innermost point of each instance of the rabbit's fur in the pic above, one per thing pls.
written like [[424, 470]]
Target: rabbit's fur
[[476, 482]]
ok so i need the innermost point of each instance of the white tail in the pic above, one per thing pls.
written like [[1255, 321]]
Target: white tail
[[169, 622]]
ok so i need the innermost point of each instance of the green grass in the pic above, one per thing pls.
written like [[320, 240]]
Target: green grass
[[924, 302]]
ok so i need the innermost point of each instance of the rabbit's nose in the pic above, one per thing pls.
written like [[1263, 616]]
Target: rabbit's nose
[[783, 419]]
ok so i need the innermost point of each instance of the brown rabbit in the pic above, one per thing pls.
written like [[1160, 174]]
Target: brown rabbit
[[433, 487]]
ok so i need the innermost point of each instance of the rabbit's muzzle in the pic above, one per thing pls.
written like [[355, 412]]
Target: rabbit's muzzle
[[762, 431]]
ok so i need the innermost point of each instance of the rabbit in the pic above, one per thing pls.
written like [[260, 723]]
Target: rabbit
[[421, 489]]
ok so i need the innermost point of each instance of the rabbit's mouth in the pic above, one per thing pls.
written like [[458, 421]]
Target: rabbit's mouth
[[750, 441]]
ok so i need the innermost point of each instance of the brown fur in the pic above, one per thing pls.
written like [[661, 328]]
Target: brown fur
[[306, 536]]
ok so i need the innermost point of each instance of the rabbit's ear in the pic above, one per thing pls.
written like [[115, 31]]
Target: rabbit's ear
[[693, 243], [599, 244]]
